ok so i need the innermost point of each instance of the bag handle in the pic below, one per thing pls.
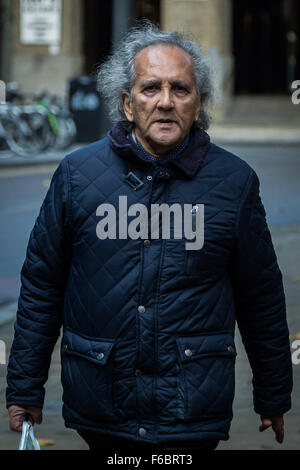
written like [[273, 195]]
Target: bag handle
[[28, 440]]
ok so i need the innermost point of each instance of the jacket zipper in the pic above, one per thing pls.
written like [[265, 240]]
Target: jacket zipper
[[194, 211]]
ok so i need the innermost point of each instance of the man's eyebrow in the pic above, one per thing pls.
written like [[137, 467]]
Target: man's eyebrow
[[181, 83], [150, 81], [155, 81]]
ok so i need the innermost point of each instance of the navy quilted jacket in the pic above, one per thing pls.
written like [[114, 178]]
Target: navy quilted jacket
[[148, 349]]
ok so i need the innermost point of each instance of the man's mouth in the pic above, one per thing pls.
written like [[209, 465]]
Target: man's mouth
[[165, 124], [165, 121]]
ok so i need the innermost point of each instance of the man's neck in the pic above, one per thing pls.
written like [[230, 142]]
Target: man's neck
[[151, 152], [136, 140], [172, 153]]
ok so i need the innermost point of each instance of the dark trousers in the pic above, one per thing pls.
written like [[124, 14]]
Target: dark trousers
[[99, 441]]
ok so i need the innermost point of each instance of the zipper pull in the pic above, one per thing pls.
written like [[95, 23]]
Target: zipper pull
[[194, 211]]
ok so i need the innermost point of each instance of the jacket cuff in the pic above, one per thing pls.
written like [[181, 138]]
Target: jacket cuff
[[266, 412], [19, 403]]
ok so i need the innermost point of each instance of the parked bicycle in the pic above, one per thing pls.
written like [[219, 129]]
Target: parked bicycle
[[32, 128], [23, 129], [60, 122]]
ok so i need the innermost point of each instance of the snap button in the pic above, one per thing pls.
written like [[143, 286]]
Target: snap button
[[100, 356], [188, 352], [138, 373], [149, 178], [230, 349], [147, 243], [141, 309], [167, 174], [142, 432]]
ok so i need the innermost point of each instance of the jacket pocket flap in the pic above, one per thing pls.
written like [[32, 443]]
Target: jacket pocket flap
[[93, 349], [213, 344]]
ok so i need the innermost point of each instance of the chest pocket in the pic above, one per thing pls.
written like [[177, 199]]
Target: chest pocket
[[213, 243], [186, 247], [203, 248], [209, 261]]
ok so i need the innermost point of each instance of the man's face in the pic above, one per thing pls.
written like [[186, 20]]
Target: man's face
[[164, 103]]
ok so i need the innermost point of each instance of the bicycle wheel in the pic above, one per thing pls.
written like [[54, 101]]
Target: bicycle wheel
[[31, 134], [66, 132], [13, 134]]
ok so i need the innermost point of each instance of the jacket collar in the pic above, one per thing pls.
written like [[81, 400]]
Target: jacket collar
[[188, 161]]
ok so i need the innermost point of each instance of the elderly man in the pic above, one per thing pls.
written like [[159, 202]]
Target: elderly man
[[148, 349]]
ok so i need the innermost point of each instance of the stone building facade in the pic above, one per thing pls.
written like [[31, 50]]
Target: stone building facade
[[226, 30]]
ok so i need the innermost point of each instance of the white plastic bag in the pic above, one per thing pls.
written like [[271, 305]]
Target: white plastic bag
[[28, 440]]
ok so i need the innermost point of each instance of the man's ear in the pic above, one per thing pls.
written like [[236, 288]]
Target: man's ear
[[198, 108], [127, 106]]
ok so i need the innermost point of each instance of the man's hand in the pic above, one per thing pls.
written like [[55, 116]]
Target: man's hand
[[277, 424], [18, 414]]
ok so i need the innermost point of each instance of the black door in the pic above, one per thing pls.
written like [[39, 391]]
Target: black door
[[98, 26], [260, 46], [97, 17]]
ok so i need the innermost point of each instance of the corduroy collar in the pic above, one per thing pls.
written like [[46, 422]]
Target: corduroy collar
[[188, 161]]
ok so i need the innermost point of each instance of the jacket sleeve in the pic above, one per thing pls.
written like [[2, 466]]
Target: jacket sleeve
[[260, 306], [43, 281]]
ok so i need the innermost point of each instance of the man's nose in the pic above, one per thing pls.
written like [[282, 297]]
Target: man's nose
[[165, 99]]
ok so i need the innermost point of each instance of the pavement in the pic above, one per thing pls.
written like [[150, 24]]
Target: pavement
[[255, 120], [10, 160], [254, 135], [271, 122]]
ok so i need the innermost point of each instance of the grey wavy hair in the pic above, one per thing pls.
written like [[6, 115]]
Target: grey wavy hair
[[117, 74]]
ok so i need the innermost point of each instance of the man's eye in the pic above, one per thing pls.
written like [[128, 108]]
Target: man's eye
[[151, 88], [180, 89]]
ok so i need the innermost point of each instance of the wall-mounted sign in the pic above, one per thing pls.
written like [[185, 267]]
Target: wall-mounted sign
[[40, 21]]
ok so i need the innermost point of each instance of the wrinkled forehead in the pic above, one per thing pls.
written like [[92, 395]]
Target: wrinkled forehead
[[162, 61]]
